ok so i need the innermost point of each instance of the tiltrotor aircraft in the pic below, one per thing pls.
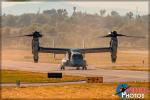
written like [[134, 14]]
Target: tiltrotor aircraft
[[74, 56]]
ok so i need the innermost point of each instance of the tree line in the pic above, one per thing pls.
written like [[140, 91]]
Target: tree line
[[57, 23]]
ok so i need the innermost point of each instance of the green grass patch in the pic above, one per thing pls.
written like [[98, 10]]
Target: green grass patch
[[24, 76]]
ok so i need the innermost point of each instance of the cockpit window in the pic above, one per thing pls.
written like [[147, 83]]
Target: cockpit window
[[77, 56]]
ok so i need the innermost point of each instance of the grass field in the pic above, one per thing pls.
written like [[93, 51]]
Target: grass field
[[83, 91], [24, 76], [135, 68]]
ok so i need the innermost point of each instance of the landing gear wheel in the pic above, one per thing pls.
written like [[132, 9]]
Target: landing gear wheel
[[84, 68], [62, 67], [78, 68], [35, 60]]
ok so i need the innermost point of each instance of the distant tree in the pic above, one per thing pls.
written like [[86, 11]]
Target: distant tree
[[129, 14], [65, 13], [10, 20], [24, 20], [50, 12], [40, 19], [114, 13], [4, 15], [38, 12], [138, 17], [62, 14], [53, 15], [102, 12], [74, 11]]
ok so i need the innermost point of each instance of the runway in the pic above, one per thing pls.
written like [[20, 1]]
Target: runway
[[108, 75]]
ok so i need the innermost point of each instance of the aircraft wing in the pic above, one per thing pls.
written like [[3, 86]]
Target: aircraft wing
[[54, 50], [95, 50]]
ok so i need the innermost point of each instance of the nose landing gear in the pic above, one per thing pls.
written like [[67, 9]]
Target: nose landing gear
[[84, 68], [62, 67]]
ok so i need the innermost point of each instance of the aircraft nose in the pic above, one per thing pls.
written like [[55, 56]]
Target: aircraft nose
[[77, 62]]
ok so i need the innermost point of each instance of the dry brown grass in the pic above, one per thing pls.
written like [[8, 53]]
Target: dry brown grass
[[135, 68], [75, 91], [29, 77]]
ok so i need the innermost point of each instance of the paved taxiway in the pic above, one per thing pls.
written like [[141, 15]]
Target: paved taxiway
[[108, 75]]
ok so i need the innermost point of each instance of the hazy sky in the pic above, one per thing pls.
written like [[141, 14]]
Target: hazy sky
[[140, 7]]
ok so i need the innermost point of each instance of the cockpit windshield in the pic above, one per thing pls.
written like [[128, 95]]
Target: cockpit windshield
[[77, 56]]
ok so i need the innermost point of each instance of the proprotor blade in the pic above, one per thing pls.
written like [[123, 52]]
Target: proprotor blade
[[135, 36], [34, 35], [115, 34]]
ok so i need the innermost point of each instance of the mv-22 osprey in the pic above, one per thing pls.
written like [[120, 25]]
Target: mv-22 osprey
[[74, 56]]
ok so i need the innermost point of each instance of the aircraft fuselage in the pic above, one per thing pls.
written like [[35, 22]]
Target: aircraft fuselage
[[74, 59]]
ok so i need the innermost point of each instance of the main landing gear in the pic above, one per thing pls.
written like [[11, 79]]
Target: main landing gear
[[62, 67], [83, 68]]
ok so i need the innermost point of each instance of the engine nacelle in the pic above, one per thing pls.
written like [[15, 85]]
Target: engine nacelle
[[35, 49], [114, 45]]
